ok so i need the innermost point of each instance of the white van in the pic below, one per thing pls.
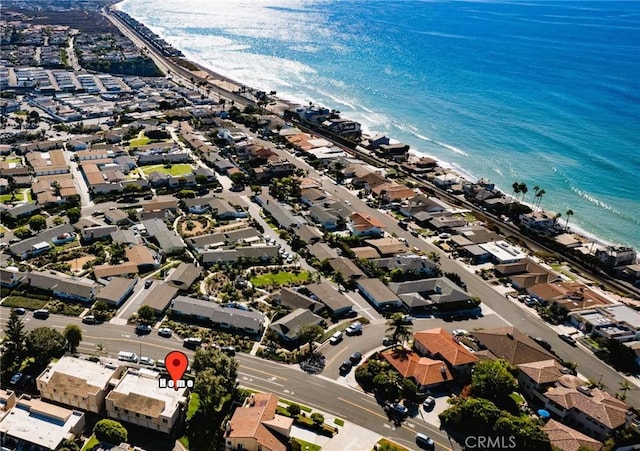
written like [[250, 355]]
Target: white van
[[336, 338], [128, 356]]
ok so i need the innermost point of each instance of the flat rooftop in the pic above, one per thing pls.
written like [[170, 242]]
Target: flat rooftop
[[40, 423], [142, 394], [503, 251], [94, 373]]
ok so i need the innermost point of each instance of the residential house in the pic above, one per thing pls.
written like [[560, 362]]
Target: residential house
[[613, 256], [366, 252], [535, 378], [63, 286], [590, 410], [337, 303], [565, 438], [257, 426], [322, 251], [258, 254], [30, 424], [103, 272], [10, 277], [378, 294], [388, 246], [159, 297], [440, 293], [145, 258], [198, 205], [525, 273], [408, 263], [312, 196], [139, 399], [281, 214], [308, 234], [78, 383], [347, 268], [422, 203], [540, 220], [184, 276], [608, 321], [425, 372], [116, 291], [289, 325], [439, 344], [503, 252], [116, 216], [244, 321], [293, 298], [362, 224], [225, 211], [393, 192], [91, 234], [572, 295], [324, 218], [512, 345]]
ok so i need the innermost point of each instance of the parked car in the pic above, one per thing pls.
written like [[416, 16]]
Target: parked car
[[407, 319], [229, 350], [425, 442], [20, 310], [568, 338], [160, 363], [398, 409], [355, 358], [542, 342], [42, 313], [15, 378], [165, 332], [192, 342], [429, 403], [345, 367], [388, 341], [89, 319], [336, 338], [143, 329], [148, 197], [148, 283], [354, 328], [147, 361], [459, 332]]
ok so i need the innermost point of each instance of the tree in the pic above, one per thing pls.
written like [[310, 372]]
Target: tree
[[434, 257], [523, 189], [310, 333], [293, 409], [22, 232], [44, 344], [73, 334], [110, 431], [15, 330], [37, 223], [222, 365], [494, 380], [101, 349], [238, 178], [209, 389], [516, 190], [396, 326], [569, 213], [146, 313], [68, 445], [317, 418], [74, 214]]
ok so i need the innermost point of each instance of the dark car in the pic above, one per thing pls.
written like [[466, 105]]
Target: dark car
[[148, 197], [229, 350], [148, 283], [89, 319], [345, 367], [398, 409], [355, 358], [237, 188], [429, 403], [42, 313], [19, 310], [542, 342], [192, 342], [143, 329], [425, 442]]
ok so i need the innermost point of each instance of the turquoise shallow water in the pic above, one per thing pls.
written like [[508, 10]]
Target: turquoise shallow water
[[542, 92]]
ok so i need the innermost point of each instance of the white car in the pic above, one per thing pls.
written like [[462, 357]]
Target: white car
[[459, 332], [148, 361]]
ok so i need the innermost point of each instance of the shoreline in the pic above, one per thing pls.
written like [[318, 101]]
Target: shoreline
[[212, 76]]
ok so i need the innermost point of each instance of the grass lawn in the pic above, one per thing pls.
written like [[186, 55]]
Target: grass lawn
[[20, 301], [307, 445], [330, 332], [194, 403], [279, 278], [19, 197], [338, 421], [392, 445], [141, 140], [175, 170], [93, 441], [12, 160], [516, 398]]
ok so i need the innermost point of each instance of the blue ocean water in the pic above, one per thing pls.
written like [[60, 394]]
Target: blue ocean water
[[544, 92]]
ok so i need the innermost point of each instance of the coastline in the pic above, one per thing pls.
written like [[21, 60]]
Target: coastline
[[226, 83]]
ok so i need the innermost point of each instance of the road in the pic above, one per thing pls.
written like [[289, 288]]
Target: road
[[288, 381]]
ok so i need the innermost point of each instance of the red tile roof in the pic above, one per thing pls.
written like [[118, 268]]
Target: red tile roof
[[249, 422], [425, 371], [439, 342]]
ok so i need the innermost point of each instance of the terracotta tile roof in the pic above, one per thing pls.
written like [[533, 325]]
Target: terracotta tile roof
[[439, 342], [599, 405], [568, 439], [252, 422], [425, 371], [364, 221], [512, 345], [542, 372]]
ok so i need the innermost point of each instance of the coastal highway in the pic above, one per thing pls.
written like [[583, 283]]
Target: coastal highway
[[288, 381]]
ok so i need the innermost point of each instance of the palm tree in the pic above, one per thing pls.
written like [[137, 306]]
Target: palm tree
[[434, 257], [556, 217], [569, 213], [102, 349], [523, 189], [516, 190], [538, 199], [396, 326], [625, 386]]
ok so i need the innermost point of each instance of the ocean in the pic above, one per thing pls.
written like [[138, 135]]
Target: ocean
[[541, 92]]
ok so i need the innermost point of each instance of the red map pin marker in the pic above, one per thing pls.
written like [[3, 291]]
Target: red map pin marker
[[176, 363]]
